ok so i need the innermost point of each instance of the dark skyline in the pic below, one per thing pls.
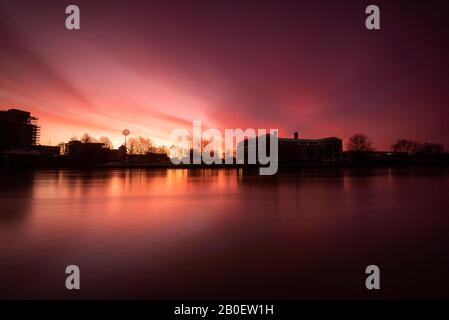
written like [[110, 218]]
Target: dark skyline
[[294, 65]]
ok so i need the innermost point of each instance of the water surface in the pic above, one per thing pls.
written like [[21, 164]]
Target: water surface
[[224, 233]]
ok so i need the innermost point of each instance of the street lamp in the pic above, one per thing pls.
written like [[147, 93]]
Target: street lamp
[[126, 132]]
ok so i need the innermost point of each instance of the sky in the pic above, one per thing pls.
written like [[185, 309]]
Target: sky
[[153, 66]]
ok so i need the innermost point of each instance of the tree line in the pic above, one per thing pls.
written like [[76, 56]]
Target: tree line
[[357, 142], [134, 145], [362, 142]]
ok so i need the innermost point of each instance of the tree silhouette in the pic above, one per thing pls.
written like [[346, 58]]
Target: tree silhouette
[[86, 138], [429, 147], [107, 142], [140, 145], [204, 144], [176, 152], [404, 145], [359, 142], [200, 146], [162, 150]]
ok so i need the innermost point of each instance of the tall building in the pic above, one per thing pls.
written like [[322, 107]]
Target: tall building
[[18, 130]]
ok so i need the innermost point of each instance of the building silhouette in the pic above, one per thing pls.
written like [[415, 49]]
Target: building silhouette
[[83, 153], [18, 130], [19, 146], [91, 152], [297, 151]]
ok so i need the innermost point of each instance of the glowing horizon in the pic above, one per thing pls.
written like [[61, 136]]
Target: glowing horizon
[[152, 68]]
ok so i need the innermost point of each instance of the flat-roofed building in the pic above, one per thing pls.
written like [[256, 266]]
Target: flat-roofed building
[[85, 153], [297, 151]]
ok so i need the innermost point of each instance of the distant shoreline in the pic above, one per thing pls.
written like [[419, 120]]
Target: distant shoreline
[[342, 165]]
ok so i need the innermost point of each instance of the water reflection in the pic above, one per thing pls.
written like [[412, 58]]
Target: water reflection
[[227, 233], [14, 187]]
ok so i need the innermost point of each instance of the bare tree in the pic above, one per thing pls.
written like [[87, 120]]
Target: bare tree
[[429, 147], [107, 142], [145, 145], [140, 145], [131, 145], [359, 142], [86, 138], [404, 145], [204, 144], [199, 146], [415, 147], [176, 152], [197, 149], [162, 150]]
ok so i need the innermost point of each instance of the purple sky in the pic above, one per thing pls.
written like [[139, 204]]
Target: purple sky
[[152, 66]]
